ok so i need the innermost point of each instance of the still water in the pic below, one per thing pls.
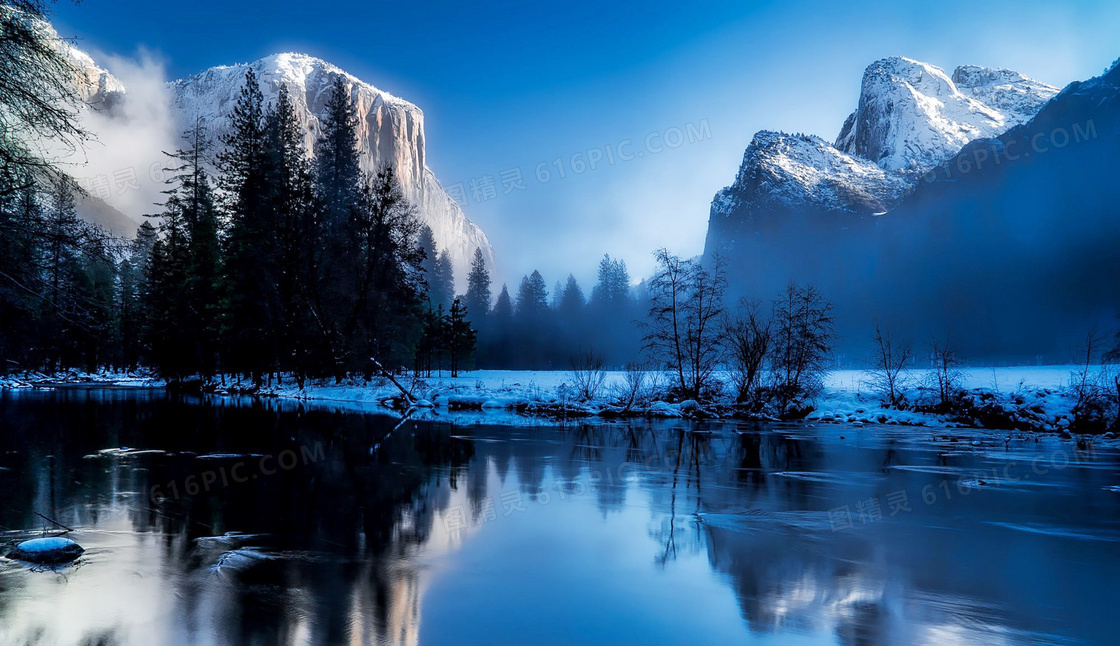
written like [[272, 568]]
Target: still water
[[232, 522]]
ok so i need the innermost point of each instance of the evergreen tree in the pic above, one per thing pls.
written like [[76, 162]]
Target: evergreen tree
[[251, 309], [133, 284], [437, 270], [532, 331], [58, 323], [613, 288], [21, 224], [461, 338], [443, 281], [571, 299], [613, 311], [532, 297], [426, 240], [296, 215], [183, 325], [477, 299], [383, 284], [502, 319], [340, 266], [168, 331], [337, 167]]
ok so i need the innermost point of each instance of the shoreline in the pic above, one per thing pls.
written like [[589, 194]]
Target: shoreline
[[1018, 398]]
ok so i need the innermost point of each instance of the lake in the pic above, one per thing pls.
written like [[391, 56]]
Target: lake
[[229, 521]]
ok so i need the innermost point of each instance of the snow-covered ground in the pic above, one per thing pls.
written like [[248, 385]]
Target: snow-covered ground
[[1037, 397], [107, 378]]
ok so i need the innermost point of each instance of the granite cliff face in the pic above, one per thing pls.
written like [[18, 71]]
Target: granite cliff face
[[911, 118], [390, 131]]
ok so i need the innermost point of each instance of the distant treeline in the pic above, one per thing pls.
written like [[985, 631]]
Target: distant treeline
[[265, 261], [277, 264]]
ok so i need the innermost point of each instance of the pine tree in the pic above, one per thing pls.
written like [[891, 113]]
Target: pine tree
[[383, 286], [461, 338], [613, 288], [341, 264], [438, 271], [443, 280], [299, 228], [532, 323], [337, 168], [61, 255], [571, 300], [532, 297], [477, 299], [133, 284], [251, 300], [502, 319], [168, 332], [21, 223], [184, 277]]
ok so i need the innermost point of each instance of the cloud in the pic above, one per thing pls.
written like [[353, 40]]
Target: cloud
[[123, 164]]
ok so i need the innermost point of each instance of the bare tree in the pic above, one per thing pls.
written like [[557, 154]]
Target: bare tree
[[946, 374], [747, 339], [703, 310], [668, 291], [803, 336], [1092, 389], [635, 385], [1082, 379], [39, 97], [889, 361], [686, 302], [588, 373]]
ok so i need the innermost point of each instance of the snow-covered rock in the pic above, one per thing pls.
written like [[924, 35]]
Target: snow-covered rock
[[912, 116], [390, 131], [96, 85], [797, 170], [1018, 97], [47, 550]]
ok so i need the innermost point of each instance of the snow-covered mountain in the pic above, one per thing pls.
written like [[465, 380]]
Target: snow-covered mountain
[[1017, 257], [96, 85], [806, 170], [912, 116], [390, 131]]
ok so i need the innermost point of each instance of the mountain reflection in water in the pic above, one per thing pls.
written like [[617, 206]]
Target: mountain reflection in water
[[222, 521]]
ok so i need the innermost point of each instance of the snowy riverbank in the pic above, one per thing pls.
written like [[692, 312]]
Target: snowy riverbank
[[1023, 397], [77, 378], [1038, 398]]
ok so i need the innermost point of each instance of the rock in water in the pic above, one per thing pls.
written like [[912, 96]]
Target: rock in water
[[47, 550]]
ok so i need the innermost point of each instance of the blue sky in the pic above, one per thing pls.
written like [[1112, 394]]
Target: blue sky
[[517, 85]]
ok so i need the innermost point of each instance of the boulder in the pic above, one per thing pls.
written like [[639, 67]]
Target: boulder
[[47, 550]]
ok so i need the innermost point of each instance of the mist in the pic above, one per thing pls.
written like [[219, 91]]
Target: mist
[[123, 164]]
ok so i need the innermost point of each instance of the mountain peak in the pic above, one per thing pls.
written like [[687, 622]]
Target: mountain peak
[[390, 131], [796, 170], [1018, 97], [912, 115]]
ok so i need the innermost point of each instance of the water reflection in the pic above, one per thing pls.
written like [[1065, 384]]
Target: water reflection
[[354, 528]]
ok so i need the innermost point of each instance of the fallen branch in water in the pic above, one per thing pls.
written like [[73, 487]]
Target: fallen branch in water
[[51, 520], [385, 373]]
